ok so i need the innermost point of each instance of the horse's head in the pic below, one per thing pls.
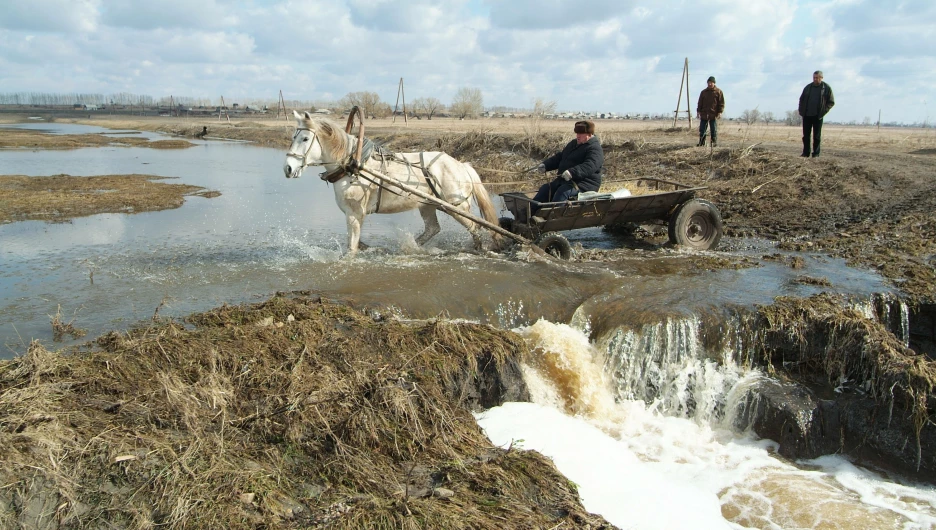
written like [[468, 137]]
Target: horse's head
[[306, 148]]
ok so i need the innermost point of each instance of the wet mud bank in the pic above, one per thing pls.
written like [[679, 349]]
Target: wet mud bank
[[844, 381], [60, 198], [294, 413]]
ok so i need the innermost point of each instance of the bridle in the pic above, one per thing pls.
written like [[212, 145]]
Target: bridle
[[303, 158]]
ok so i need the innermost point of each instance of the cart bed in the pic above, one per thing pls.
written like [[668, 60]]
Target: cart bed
[[600, 211]]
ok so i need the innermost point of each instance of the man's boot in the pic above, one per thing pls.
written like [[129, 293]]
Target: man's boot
[[701, 141], [805, 148], [714, 143]]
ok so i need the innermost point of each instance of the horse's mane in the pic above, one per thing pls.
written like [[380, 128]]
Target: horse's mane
[[335, 141]]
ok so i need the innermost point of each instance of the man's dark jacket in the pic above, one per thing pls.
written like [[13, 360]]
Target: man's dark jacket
[[584, 163], [711, 103], [826, 99]]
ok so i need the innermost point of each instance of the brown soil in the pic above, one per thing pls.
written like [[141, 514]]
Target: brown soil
[[293, 413], [30, 139], [62, 197]]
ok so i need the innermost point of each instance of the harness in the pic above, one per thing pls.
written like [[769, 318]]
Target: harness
[[303, 158], [367, 149]]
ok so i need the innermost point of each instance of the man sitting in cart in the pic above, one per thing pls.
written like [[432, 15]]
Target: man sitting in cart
[[578, 165]]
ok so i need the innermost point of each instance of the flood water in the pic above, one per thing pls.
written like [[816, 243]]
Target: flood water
[[266, 233]]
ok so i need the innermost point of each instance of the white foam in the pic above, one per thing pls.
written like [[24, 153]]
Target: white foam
[[642, 469], [612, 480]]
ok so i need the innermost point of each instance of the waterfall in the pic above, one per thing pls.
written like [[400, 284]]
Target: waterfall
[[692, 366], [666, 364], [890, 311], [648, 430]]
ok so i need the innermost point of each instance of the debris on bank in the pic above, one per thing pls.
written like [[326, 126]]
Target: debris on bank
[[292, 413]]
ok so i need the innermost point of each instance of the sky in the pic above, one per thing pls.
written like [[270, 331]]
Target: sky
[[620, 56]]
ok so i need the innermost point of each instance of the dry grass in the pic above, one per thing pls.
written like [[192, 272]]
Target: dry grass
[[732, 135], [293, 413], [61, 328]]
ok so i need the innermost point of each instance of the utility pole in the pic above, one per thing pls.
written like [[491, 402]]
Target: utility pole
[[398, 94], [224, 110], [683, 80], [281, 104]]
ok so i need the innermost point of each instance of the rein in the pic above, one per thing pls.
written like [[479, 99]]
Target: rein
[[365, 149]]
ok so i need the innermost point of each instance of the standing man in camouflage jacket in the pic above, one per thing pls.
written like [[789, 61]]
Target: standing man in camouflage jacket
[[710, 108]]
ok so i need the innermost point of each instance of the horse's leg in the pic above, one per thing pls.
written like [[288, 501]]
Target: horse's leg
[[354, 221], [428, 214], [470, 225]]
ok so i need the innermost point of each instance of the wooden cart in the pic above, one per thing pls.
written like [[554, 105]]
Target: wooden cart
[[692, 222]]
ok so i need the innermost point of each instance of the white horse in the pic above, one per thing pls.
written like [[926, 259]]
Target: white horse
[[318, 141]]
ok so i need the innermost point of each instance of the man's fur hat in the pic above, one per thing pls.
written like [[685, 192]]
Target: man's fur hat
[[584, 127]]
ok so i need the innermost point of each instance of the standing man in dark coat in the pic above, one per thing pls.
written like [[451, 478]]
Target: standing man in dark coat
[[710, 108], [814, 103], [578, 165]]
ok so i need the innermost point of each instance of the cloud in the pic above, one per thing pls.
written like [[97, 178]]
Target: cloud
[[396, 15], [67, 16], [619, 56], [168, 14], [553, 14], [201, 47]]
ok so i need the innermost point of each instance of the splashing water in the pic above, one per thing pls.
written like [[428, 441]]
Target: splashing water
[[643, 469]]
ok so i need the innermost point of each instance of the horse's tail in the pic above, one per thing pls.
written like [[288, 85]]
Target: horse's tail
[[483, 199]]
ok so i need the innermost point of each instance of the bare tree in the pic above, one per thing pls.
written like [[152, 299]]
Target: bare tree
[[468, 103], [541, 108], [382, 110], [427, 106], [767, 117], [366, 101], [793, 118], [750, 116]]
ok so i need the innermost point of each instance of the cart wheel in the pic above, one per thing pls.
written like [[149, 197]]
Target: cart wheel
[[555, 245], [696, 224], [506, 223]]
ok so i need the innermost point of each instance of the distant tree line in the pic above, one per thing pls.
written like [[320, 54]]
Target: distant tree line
[[49, 99], [467, 103], [127, 99]]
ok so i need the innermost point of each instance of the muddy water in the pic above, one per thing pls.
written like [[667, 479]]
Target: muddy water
[[266, 233]]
